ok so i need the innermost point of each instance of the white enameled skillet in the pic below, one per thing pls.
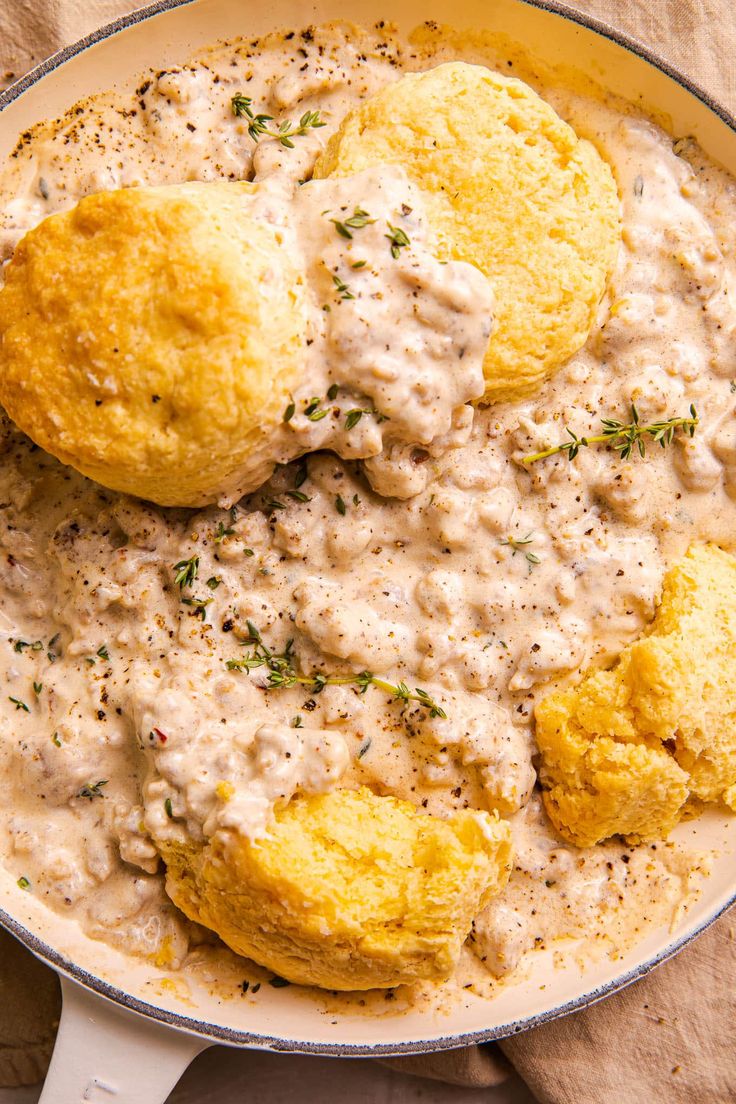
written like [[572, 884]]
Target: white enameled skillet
[[127, 1033]]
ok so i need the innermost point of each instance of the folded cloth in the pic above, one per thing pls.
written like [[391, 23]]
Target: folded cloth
[[667, 1039], [30, 1005]]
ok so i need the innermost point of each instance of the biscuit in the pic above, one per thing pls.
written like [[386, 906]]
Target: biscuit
[[629, 750], [150, 337], [347, 890], [508, 187]]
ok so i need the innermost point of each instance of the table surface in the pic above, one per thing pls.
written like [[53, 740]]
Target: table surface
[[236, 1077]]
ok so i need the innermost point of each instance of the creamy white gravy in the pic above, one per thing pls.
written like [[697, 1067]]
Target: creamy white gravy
[[383, 328], [119, 713]]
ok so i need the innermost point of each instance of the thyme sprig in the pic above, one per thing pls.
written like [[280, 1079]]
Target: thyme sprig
[[623, 437], [258, 122], [283, 672], [519, 544]]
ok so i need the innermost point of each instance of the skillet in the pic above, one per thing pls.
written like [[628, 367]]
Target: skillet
[[128, 1030]]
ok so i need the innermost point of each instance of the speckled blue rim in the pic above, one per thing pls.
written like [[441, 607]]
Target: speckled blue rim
[[231, 1036]]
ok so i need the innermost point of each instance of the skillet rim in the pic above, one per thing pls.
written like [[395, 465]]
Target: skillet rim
[[231, 1036]]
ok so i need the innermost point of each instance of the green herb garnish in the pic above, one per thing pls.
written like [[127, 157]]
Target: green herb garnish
[[283, 673], [242, 107], [19, 704], [314, 410], [222, 532], [623, 436], [342, 287], [398, 239], [353, 417], [93, 789], [301, 474], [357, 221], [199, 606], [519, 544], [186, 571]]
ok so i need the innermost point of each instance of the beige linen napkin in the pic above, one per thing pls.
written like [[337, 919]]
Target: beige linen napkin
[[668, 1039]]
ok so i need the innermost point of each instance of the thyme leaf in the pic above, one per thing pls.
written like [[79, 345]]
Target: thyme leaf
[[518, 544], [398, 239], [342, 287], [357, 221], [314, 410], [199, 606], [222, 531], [92, 789], [186, 571]]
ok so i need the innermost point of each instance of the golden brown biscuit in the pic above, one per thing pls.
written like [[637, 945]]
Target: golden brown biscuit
[[509, 187], [626, 750], [150, 337], [347, 890]]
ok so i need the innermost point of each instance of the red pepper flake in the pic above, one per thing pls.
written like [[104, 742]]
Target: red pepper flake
[[161, 735]]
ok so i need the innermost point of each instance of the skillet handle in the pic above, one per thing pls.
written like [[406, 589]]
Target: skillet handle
[[105, 1054]]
